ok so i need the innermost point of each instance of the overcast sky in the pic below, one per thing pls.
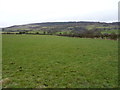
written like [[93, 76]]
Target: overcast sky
[[17, 12]]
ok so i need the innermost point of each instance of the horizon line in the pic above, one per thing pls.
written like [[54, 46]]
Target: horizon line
[[59, 22]]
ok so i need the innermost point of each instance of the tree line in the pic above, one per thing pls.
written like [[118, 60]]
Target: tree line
[[80, 34]]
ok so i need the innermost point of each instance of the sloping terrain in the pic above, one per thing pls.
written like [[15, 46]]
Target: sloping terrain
[[56, 27]]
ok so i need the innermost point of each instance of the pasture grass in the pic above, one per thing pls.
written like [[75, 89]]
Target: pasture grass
[[44, 61], [110, 31]]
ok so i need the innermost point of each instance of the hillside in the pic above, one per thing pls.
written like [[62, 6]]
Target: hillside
[[62, 26], [72, 29]]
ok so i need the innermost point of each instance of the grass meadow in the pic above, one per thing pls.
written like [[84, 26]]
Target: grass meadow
[[47, 61]]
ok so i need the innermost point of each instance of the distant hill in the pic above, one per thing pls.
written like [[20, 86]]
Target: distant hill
[[55, 27]]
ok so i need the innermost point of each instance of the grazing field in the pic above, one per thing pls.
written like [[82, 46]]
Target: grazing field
[[43, 61]]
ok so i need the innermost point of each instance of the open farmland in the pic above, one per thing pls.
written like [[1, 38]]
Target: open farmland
[[48, 61]]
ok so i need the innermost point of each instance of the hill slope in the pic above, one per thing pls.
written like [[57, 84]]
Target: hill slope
[[63, 26]]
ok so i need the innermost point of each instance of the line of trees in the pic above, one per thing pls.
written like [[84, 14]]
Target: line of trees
[[112, 36], [85, 34]]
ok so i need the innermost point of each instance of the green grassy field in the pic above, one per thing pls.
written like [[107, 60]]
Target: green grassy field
[[110, 31], [41, 61]]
